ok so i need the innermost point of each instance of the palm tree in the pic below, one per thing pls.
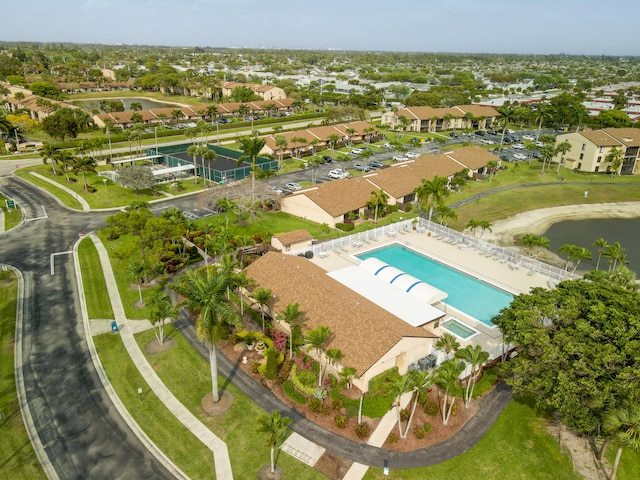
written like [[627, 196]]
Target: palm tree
[[263, 298], [444, 214], [176, 114], [623, 423], [616, 253], [601, 244], [160, 309], [541, 115], [135, 106], [205, 292], [207, 154], [446, 377], [84, 164], [292, 315], [484, 225], [274, 426], [347, 374], [547, 152], [333, 140], [48, 152], [194, 151], [398, 387], [420, 379], [317, 340], [350, 133], [378, 201], [475, 357], [432, 193], [507, 115], [562, 149], [576, 253], [473, 225], [447, 343], [251, 147], [614, 158], [301, 141], [281, 143]]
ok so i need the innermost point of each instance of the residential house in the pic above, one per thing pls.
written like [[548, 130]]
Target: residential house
[[294, 240], [267, 92], [589, 150], [432, 120], [371, 338]]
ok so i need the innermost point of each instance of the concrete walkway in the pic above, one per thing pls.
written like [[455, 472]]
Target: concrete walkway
[[217, 446], [79, 199]]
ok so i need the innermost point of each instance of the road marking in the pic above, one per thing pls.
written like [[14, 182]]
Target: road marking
[[52, 260], [44, 215]]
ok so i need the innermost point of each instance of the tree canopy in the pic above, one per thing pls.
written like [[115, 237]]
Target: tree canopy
[[577, 347]]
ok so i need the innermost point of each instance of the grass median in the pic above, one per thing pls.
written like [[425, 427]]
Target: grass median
[[17, 457]]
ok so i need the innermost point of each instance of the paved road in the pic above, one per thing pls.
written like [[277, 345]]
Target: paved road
[[81, 431]]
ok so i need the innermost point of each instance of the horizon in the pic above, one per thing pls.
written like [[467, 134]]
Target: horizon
[[571, 27]]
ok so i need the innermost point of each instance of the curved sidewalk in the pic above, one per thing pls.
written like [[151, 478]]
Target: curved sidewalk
[[79, 199], [217, 446]]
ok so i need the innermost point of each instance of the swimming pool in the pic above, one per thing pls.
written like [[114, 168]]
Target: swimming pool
[[458, 328], [465, 293]]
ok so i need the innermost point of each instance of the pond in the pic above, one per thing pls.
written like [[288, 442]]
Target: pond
[[146, 103], [626, 231]]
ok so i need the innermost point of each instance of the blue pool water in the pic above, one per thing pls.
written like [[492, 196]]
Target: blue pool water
[[470, 295]]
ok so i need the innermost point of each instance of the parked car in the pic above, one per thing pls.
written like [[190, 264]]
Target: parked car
[[518, 146], [536, 155], [275, 189], [386, 145], [454, 135], [327, 158], [506, 158], [376, 164], [293, 186], [357, 151], [361, 167], [531, 138], [487, 142], [539, 144], [519, 156], [338, 173], [412, 155], [480, 133], [400, 158]]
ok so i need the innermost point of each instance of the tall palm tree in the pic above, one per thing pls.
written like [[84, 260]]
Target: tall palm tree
[[317, 339], [475, 357], [160, 308], [473, 225], [446, 377], [614, 158], [444, 214], [398, 387], [547, 152], [601, 244], [262, 296], [293, 316], [562, 149], [281, 143], [48, 152], [274, 426], [251, 147], [542, 114], [616, 253], [347, 374], [420, 379], [484, 226], [507, 115], [432, 193], [447, 343], [205, 292], [84, 164], [193, 151], [623, 423], [378, 201]]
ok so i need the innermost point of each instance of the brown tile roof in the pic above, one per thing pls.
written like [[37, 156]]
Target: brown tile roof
[[473, 157], [426, 112], [629, 136], [363, 331], [600, 138], [478, 110], [295, 236], [340, 196]]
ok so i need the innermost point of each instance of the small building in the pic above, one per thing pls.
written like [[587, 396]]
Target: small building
[[427, 119], [294, 240]]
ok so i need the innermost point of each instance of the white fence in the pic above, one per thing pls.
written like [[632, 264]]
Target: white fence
[[502, 254]]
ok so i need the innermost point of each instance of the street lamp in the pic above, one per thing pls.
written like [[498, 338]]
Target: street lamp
[[106, 192], [155, 134]]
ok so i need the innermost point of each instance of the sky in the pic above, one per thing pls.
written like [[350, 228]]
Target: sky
[[577, 27]]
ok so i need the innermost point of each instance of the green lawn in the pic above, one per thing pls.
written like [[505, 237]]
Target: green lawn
[[629, 468], [248, 450], [12, 216], [17, 458], [95, 288], [517, 447], [182, 447]]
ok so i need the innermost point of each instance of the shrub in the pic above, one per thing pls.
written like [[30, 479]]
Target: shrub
[[285, 370], [430, 407], [405, 413], [352, 410], [293, 394], [419, 433], [427, 427], [341, 420], [392, 438], [336, 404], [255, 367], [271, 369], [345, 227], [393, 208], [309, 391], [234, 339], [408, 207], [315, 404], [307, 378], [455, 409], [376, 383], [363, 430]]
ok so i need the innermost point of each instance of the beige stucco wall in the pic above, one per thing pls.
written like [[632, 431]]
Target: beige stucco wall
[[301, 206], [407, 351], [590, 153]]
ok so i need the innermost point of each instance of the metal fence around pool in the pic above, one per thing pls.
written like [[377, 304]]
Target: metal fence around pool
[[514, 259]]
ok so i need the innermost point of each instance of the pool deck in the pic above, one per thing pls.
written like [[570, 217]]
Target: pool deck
[[468, 260]]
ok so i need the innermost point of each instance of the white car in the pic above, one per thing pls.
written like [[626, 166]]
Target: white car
[[400, 158], [539, 144], [293, 186], [487, 142], [338, 173], [386, 145], [519, 156], [357, 151], [412, 155], [528, 137], [518, 146]]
